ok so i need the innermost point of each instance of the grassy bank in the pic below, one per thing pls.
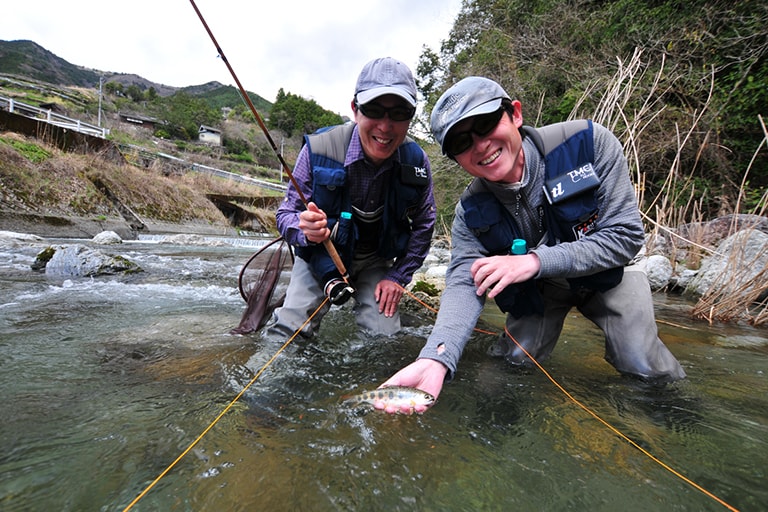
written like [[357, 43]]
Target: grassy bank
[[38, 178]]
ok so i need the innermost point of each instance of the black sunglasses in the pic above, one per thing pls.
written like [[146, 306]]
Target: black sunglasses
[[457, 143], [376, 111]]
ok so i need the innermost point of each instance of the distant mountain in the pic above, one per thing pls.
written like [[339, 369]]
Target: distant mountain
[[30, 60], [218, 96]]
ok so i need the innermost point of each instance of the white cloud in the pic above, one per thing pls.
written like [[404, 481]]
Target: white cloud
[[313, 49]]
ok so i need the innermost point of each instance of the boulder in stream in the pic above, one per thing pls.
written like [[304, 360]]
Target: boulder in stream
[[81, 261], [107, 238]]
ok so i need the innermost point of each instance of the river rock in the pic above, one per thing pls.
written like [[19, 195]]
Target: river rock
[[107, 238], [712, 232], [681, 278], [435, 266], [11, 238], [739, 259], [436, 272], [659, 270], [81, 261]]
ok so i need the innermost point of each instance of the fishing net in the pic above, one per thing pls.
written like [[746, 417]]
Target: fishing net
[[262, 283]]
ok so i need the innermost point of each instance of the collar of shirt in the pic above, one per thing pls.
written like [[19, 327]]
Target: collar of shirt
[[367, 185]]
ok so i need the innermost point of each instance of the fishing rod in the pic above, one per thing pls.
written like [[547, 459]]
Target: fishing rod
[[327, 242]]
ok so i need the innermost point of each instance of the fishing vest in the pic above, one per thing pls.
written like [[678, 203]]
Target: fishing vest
[[327, 153], [570, 210]]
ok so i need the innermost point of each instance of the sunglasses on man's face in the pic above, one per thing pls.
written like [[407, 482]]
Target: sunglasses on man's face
[[376, 111], [457, 143]]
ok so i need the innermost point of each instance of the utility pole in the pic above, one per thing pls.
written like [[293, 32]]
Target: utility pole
[[101, 79]]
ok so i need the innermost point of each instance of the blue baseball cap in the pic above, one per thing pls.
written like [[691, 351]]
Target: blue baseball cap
[[385, 76], [468, 97]]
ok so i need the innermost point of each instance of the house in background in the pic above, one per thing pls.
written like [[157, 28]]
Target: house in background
[[209, 135], [140, 121]]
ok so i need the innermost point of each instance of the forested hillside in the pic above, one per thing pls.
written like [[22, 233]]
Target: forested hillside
[[683, 84]]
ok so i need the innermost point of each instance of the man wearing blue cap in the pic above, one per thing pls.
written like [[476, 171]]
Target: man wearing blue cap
[[368, 190], [550, 222]]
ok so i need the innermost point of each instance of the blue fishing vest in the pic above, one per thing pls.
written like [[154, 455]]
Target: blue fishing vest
[[327, 153], [570, 210]]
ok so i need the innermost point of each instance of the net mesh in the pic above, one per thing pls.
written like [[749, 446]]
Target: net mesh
[[262, 283]]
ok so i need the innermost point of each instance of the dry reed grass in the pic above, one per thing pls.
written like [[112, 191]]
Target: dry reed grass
[[678, 201], [740, 291]]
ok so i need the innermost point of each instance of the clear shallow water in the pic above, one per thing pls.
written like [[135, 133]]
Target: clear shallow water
[[107, 381]]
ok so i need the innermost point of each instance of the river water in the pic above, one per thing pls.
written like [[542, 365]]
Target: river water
[[107, 382]]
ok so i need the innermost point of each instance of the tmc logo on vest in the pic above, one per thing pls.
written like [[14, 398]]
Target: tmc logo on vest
[[584, 172]]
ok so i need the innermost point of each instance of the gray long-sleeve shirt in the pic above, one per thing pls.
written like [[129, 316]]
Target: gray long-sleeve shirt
[[617, 238]]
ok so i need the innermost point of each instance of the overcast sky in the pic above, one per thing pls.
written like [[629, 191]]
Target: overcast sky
[[310, 48]]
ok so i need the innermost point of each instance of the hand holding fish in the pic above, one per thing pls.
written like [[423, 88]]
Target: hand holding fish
[[426, 375], [314, 223]]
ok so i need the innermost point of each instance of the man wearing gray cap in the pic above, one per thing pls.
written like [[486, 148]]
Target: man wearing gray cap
[[369, 189], [550, 222]]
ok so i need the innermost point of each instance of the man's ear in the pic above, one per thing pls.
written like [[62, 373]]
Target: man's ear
[[517, 113]]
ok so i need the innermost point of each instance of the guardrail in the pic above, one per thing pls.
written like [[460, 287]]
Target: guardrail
[[127, 150], [224, 174], [50, 117]]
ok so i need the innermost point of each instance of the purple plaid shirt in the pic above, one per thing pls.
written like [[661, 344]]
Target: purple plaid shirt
[[367, 187]]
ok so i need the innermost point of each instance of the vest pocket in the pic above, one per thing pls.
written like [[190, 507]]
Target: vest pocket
[[326, 182]]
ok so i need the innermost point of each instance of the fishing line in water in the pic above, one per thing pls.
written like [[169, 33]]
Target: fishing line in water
[[593, 414], [226, 409], [482, 331], [615, 430]]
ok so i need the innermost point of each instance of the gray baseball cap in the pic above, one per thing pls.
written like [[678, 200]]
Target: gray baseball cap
[[385, 76], [468, 97]]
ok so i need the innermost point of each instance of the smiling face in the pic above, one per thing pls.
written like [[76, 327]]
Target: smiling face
[[498, 155], [381, 137]]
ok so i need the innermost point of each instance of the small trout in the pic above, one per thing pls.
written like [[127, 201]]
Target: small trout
[[396, 396]]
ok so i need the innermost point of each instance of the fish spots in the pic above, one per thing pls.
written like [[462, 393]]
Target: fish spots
[[396, 396]]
